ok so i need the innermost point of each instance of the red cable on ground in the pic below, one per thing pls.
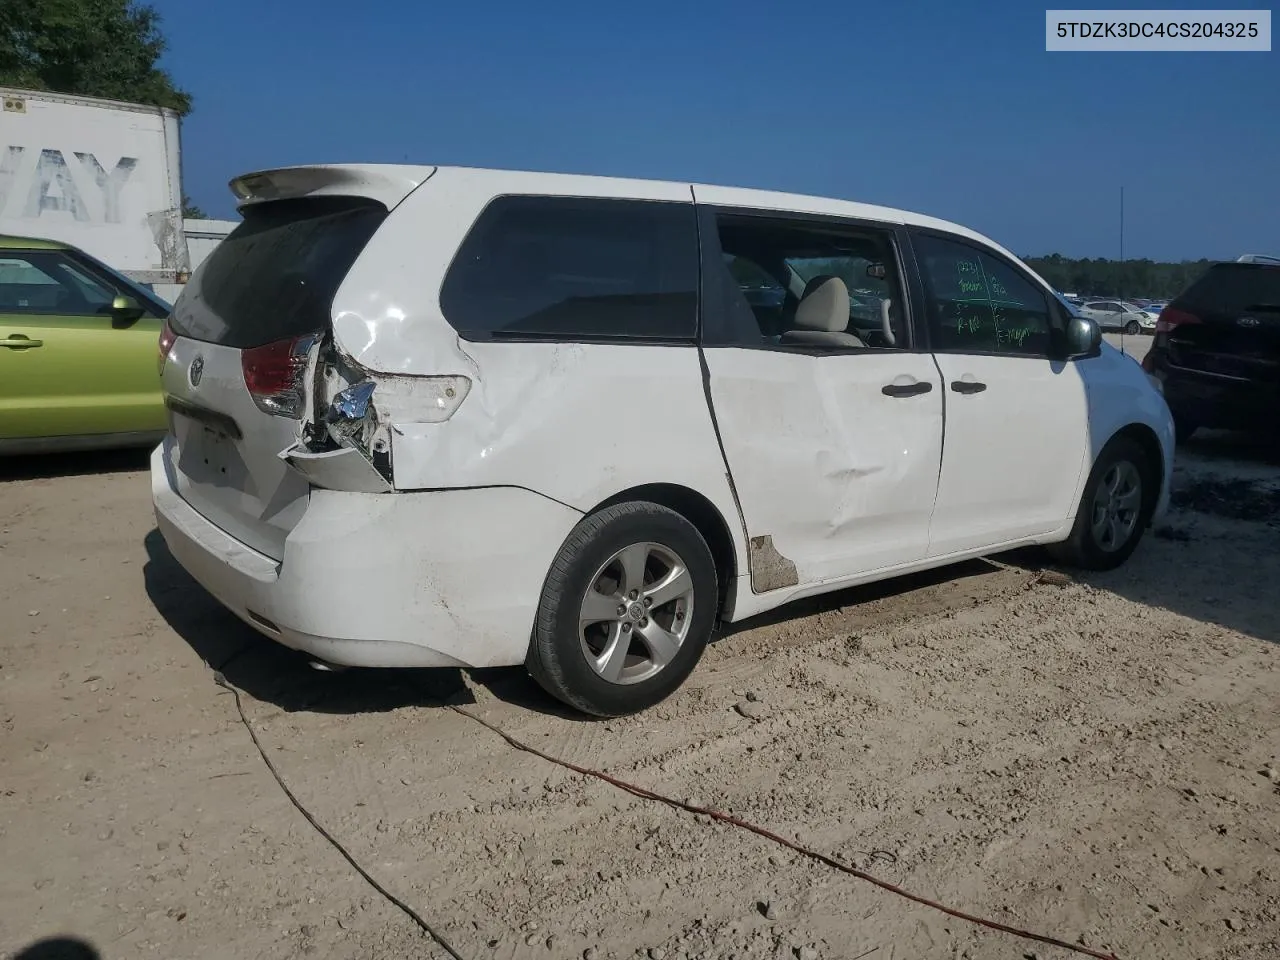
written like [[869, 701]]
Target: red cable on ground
[[769, 835]]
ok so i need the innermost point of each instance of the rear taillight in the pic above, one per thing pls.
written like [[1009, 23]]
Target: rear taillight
[[167, 336], [1171, 318], [275, 375]]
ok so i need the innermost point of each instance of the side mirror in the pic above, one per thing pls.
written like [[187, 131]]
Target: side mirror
[[126, 309], [1084, 338]]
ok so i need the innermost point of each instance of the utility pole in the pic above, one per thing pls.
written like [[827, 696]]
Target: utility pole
[[1120, 280], [1121, 290]]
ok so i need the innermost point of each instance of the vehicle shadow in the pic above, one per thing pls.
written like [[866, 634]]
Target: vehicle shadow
[[50, 465], [58, 948], [1187, 565], [1029, 559], [272, 673], [1229, 448], [1215, 557]]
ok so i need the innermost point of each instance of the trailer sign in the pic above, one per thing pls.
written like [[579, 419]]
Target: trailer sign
[[52, 186]]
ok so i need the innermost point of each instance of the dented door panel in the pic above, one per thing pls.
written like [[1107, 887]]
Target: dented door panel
[[835, 478]]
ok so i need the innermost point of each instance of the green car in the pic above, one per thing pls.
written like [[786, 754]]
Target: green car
[[78, 352]]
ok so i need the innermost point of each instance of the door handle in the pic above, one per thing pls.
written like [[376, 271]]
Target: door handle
[[906, 389], [967, 386], [20, 343]]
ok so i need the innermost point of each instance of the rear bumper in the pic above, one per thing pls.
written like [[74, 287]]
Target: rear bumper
[[434, 579]]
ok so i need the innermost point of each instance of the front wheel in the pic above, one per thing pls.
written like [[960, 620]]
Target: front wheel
[[626, 610], [1132, 328], [1119, 498]]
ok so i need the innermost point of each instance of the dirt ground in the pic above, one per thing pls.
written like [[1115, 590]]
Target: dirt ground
[[1097, 759]]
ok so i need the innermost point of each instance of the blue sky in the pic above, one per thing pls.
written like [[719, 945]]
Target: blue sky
[[951, 109]]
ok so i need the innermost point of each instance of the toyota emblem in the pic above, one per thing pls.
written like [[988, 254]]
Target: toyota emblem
[[197, 371]]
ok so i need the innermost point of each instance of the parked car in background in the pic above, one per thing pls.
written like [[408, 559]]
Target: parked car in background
[[78, 366], [1217, 349], [1119, 315], [563, 435]]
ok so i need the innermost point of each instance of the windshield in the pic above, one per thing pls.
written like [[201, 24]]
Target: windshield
[[1233, 288], [276, 273]]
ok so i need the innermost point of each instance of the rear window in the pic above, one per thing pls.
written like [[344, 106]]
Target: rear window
[[1233, 288], [576, 269], [275, 274]]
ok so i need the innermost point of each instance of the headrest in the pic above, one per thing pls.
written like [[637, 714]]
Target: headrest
[[824, 305]]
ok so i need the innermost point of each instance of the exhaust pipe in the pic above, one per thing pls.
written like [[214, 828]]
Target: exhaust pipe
[[324, 667]]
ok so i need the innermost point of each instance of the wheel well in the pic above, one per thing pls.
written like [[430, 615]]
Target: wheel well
[[699, 511], [1146, 438]]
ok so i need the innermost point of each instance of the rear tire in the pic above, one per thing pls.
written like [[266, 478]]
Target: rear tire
[[626, 611], [1115, 508]]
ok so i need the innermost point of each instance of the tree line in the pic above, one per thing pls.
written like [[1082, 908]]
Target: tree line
[[1118, 278]]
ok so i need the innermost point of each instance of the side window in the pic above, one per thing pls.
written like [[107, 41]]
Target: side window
[[814, 285], [762, 293], [568, 268], [978, 303], [96, 294], [46, 283]]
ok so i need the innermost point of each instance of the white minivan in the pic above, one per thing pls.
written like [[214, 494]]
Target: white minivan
[[433, 416]]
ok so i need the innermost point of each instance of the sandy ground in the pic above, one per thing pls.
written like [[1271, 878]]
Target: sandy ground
[[1095, 759]]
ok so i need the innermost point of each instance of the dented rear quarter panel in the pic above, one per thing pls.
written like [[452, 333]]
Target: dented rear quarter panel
[[578, 423]]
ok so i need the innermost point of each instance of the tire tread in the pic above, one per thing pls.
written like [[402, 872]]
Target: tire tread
[[543, 662]]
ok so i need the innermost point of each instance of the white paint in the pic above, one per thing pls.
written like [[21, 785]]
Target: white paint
[[1014, 453], [851, 485], [387, 183], [412, 579], [91, 173], [242, 486]]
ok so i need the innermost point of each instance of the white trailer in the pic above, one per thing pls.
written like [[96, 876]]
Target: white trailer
[[100, 174], [202, 236]]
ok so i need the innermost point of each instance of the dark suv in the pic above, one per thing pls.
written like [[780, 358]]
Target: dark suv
[[1217, 348]]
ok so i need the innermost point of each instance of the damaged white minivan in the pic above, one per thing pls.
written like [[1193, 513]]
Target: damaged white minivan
[[429, 416]]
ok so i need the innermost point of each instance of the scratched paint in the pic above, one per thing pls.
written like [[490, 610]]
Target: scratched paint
[[53, 188], [109, 183], [51, 185]]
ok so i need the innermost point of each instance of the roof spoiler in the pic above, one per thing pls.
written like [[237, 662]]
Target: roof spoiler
[[386, 183], [1258, 258]]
